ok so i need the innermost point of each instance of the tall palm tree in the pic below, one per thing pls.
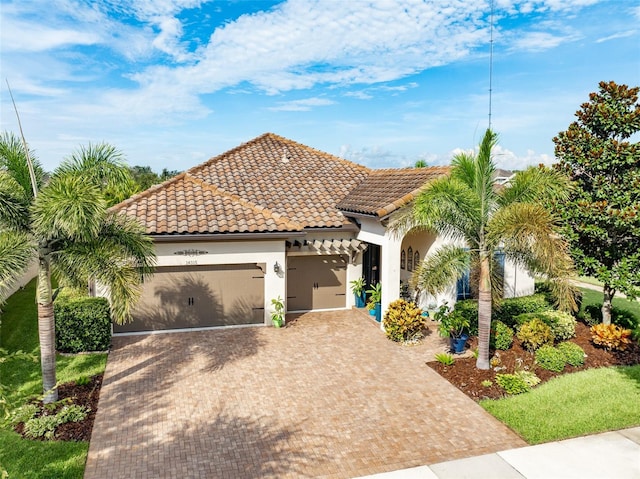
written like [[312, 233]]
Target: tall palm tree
[[481, 219], [65, 224]]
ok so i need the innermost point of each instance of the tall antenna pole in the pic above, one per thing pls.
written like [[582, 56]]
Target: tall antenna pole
[[490, 63]]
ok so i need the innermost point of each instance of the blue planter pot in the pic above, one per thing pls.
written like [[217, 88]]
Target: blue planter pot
[[458, 344], [372, 312], [378, 312], [359, 300]]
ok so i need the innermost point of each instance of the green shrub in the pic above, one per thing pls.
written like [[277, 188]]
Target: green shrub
[[23, 414], [550, 358], [501, 336], [403, 321], [511, 307], [563, 325], [534, 334], [43, 426], [72, 413], [82, 324], [445, 358], [622, 317], [519, 382], [573, 354], [468, 309]]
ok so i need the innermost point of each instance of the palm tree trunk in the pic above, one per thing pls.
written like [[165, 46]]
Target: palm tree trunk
[[609, 292], [484, 312], [46, 329]]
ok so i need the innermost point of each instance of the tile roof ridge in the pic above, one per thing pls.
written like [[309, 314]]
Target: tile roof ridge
[[315, 150], [411, 169], [147, 192], [244, 202]]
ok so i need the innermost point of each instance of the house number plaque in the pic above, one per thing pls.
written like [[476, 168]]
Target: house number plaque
[[191, 254]]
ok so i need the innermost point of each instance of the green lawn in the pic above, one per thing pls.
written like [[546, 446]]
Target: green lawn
[[590, 296], [586, 402], [21, 379]]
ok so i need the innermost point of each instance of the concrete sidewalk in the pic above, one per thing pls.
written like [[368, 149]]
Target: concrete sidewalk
[[608, 455]]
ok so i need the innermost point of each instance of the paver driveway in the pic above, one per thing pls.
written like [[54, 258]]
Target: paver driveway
[[328, 396]]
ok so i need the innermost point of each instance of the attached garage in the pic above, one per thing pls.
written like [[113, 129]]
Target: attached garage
[[316, 282], [201, 296]]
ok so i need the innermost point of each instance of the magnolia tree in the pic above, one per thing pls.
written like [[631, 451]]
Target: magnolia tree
[[601, 217]]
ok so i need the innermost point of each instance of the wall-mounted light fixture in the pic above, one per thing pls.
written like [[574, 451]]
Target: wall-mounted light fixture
[[276, 267]]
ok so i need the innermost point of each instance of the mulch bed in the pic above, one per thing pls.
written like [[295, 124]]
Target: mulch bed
[[82, 395], [464, 375]]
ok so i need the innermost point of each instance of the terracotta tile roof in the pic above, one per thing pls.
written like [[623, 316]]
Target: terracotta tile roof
[[187, 205], [267, 184], [386, 190]]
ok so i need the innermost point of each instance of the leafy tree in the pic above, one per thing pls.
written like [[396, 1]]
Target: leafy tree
[[420, 164], [481, 218], [602, 215], [144, 177], [67, 227]]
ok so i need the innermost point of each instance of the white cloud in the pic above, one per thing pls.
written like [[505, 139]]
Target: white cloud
[[302, 105], [628, 33], [537, 41], [32, 37]]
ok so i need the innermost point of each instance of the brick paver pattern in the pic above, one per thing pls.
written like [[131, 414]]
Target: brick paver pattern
[[327, 396]]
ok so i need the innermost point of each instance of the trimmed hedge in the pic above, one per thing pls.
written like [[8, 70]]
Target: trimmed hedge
[[82, 324], [506, 312]]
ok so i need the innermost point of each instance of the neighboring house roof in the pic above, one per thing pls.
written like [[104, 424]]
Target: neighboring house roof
[[386, 190], [502, 177], [267, 184]]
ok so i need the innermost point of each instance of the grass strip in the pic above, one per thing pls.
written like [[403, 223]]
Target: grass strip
[[587, 402], [21, 379]]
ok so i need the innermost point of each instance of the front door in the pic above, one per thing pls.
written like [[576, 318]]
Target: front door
[[371, 265]]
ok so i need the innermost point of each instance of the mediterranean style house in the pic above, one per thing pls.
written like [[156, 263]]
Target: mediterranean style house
[[273, 218]]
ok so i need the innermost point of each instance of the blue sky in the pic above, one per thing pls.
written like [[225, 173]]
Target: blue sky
[[382, 82]]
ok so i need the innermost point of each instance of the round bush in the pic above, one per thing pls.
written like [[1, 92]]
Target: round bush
[[550, 358], [573, 354], [534, 334], [403, 321], [501, 336]]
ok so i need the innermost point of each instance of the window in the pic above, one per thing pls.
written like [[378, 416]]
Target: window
[[410, 259], [416, 260], [403, 259]]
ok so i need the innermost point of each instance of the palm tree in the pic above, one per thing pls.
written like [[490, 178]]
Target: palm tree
[[65, 224], [481, 219]]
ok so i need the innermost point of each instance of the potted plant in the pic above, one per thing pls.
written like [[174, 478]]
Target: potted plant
[[371, 307], [357, 287], [452, 325], [277, 316], [376, 297]]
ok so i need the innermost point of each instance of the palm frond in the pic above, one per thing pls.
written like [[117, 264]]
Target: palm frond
[[68, 208], [119, 257], [17, 251], [14, 161], [14, 204], [101, 165], [535, 184], [450, 208], [440, 269], [528, 235]]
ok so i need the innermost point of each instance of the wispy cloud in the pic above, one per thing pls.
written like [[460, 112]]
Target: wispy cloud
[[302, 105], [628, 33]]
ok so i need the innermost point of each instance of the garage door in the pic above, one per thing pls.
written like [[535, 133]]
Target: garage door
[[316, 282], [199, 296]]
